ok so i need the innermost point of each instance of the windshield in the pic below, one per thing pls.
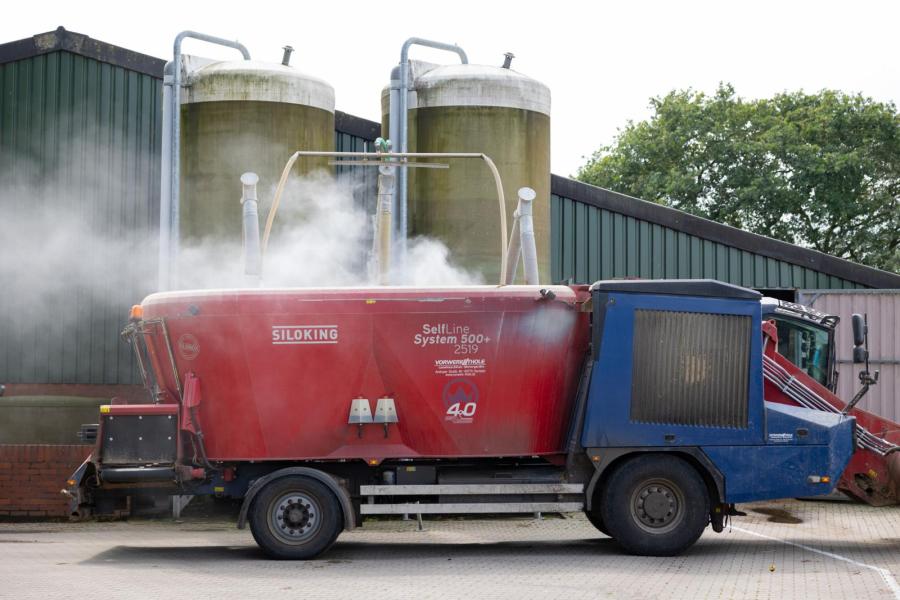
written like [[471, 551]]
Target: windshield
[[806, 346]]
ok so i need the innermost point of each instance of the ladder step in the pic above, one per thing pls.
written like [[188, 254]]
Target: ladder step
[[469, 489], [471, 508]]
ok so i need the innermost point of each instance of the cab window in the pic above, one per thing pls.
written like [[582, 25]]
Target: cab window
[[806, 346]]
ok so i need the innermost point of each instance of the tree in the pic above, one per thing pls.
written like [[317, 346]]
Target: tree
[[820, 170]]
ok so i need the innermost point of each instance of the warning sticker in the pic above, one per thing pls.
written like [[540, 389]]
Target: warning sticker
[[460, 367]]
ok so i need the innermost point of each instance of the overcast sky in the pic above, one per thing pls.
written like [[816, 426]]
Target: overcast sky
[[602, 61]]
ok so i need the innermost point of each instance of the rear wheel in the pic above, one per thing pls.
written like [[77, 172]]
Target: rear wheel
[[295, 518], [655, 505]]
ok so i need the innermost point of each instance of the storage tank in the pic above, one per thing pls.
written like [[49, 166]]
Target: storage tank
[[282, 370], [239, 116], [476, 108]]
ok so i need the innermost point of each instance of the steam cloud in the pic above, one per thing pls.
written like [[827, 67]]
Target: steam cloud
[[322, 237], [76, 253], [60, 250]]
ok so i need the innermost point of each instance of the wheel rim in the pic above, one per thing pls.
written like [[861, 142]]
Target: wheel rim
[[295, 517], [657, 506]]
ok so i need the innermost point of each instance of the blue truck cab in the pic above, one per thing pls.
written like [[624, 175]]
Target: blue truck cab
[[675, 421]]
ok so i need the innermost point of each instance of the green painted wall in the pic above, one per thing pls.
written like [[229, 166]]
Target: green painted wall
[[62, 115], [590, 243]]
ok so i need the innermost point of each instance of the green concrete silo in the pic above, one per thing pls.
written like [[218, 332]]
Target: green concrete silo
[[245, 116], [477, 108]]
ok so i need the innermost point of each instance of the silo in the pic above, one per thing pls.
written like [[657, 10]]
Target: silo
[[477, 108], [245, 116]]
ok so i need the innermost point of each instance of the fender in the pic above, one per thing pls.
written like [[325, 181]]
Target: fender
[[602, 458], [330, 482]]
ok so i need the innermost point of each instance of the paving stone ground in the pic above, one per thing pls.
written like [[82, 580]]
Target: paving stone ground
[[836, 550]]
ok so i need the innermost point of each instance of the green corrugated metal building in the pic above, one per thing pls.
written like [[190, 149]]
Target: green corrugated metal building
[[599, 234], [67, 104], [67, 100]]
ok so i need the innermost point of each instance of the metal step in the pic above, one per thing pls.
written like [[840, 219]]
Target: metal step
[[470, 508], [471, 489]]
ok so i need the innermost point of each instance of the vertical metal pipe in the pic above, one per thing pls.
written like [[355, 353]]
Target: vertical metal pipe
[[526, 232], [250, 210], [165, 189], [383, 223], [394, 137], [513, 251], [172, 178], [404, 125]]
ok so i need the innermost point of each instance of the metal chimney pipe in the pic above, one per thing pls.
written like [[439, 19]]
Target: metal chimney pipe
[[286, 57], [507, 60], [252, 255]]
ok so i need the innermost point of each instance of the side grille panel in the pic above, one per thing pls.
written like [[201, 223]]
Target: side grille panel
[[690, 368]]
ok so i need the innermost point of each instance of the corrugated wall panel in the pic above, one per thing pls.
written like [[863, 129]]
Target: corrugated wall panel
[[883, 310], [363, 180], [591, 243], [79, 140]]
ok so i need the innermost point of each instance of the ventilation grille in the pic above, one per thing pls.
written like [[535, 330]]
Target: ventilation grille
[[690, 368]]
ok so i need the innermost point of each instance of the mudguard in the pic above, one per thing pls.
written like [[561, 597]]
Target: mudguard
[[320, 476]]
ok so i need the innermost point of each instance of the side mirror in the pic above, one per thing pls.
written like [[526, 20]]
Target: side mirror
[[859, 330], [860, 355]]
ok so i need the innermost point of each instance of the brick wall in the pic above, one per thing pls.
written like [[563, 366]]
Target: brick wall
[[31, 476]]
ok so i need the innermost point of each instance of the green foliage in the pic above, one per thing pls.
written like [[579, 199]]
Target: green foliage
[[820, 170]]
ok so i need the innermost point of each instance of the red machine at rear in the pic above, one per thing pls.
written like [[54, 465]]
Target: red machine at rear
[[873, 474]]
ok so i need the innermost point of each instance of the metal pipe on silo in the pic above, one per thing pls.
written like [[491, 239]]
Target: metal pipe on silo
[[169, 199], [394, 137], [286, 57], [404, 118], [250, 212], [165, 188]]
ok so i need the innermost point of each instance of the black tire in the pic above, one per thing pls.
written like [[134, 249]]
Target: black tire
[[597, 521], [295, 518], [655, 505]]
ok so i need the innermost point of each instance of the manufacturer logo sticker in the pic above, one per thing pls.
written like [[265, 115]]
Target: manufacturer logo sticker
[[188, 346], [460, 400], [304, 334]]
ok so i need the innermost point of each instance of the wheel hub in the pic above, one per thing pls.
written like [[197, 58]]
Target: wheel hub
[[657, 506], [294, 517]]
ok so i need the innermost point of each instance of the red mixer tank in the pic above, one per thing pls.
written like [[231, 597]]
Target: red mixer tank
[[479, 371]]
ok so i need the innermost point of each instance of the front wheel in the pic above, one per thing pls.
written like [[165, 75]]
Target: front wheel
[[655, 505], [593, 516], [295, 518]]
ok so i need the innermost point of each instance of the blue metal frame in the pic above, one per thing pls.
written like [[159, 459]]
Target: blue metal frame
[[782, 467]]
